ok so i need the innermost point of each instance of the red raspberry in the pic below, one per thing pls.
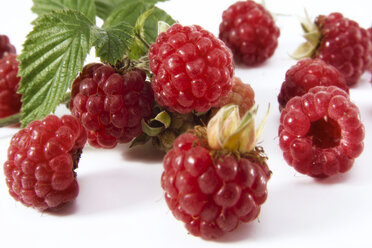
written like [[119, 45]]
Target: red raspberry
[[241, 94], [306, 74], [250, 31], [212, 194], [10, 101], [41, 162], [5, 46], [370, 36], [344, 45], [321, 132], [111, 105], [192, 69]]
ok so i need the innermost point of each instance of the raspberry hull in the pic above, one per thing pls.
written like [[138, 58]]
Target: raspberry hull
[[10, 100], [41, 161], [192, 69], [320, 132], [111, 105], [211, 196], [249, 30], [306, 74]]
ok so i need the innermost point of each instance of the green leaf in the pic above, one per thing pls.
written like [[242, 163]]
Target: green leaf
[[86, 7], [151, 24], [146, 30], [53, 55], [106, 7], [128, 13], [112, 43]]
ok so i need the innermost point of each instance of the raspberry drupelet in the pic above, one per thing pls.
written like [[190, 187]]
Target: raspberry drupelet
[[340, 42], [41, 161], [111, 105], [5, 46], [192, 69], [241, 94], [321, 132], [249, 30], [10, 100], [211, 189], [306, 74]]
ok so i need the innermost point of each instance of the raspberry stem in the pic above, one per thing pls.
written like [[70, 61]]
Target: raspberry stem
[[10, 120]]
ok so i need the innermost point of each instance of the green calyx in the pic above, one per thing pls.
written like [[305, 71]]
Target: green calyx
[[165, 127], [312, 36]]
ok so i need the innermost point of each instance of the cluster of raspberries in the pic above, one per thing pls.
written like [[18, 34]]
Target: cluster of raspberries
[[192, 74]]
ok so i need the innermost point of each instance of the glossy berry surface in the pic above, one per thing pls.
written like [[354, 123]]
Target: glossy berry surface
[[370, 37], [306, 74], [111, 105], [250, 31], [5, 46], [211, 196], [345, 45], [321, 132], [192, 69], [41, 161], [241, 94], [10, 100]]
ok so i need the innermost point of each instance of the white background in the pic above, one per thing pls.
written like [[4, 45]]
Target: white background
[[121, 202]]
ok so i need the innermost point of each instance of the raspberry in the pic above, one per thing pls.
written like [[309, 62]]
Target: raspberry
[[306, 74], [241, 94], [111, 105], [249, 30], [5, 46], [10, 101], [212, 193], [41, 162], [320, 132], [370, 36], [340, 42], [192, 69]]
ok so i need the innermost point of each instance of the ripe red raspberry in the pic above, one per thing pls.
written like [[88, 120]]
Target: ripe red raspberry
[[41, 162], [249, 30], [343, 44], [212, 193], [370, 37], [192, 69], [306, 74], [5, 46], [321, 132], [10, 101], [241, 94], [111, 105]]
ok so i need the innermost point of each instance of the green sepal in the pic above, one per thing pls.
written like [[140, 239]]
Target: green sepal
[[156, 125], [312, 36], [140, 140]]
